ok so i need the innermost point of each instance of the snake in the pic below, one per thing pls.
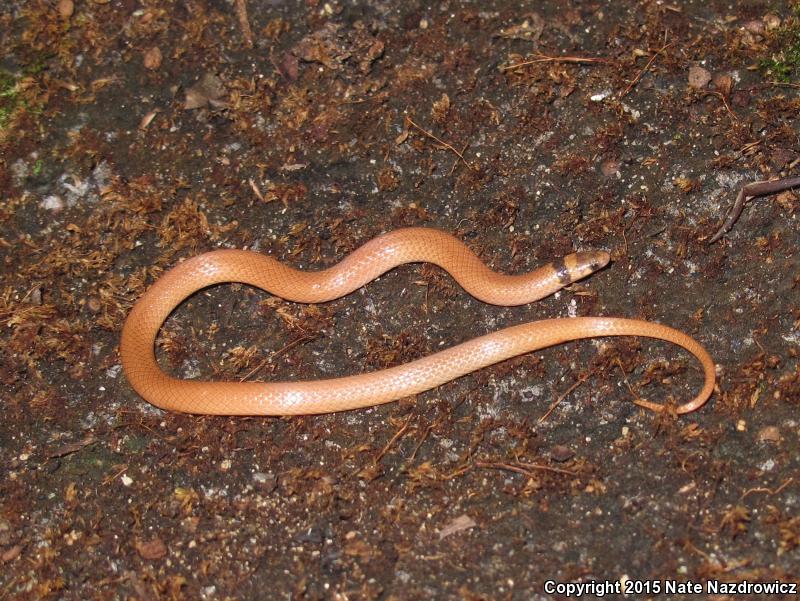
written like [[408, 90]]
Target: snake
[[366, 263]]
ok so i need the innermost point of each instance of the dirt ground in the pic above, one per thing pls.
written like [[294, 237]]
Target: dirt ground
[[136, 133]]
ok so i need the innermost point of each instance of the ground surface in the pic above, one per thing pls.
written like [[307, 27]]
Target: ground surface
[[309, 143]]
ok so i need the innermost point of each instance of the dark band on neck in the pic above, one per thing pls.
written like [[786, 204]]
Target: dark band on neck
[[562, 271]]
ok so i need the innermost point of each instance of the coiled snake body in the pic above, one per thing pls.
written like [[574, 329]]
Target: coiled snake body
[[362, 266]]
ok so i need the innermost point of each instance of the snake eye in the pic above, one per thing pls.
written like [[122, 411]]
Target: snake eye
[[592, 260]]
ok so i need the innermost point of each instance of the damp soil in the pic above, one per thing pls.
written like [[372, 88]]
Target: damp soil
[[134, 134]]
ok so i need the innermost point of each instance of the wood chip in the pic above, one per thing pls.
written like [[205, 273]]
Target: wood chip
[[72, 447], [148, 118]]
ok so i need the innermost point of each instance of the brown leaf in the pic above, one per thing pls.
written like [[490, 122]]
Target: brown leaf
[[358, 548], [323, 46], [609, 167], [440, 109], [152, 549], [723, 83], [374, 52], [755, 27], [769, 434], [209, 90], [463, 522], [11, 554], [72, 447], [530, 29], [772, 21]]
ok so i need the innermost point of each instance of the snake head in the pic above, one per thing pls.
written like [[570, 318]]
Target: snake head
[[580, 264]]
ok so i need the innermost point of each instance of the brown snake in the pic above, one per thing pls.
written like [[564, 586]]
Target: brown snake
[[376, 257]]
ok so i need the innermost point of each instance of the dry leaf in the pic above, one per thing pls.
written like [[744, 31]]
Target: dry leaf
[[11, 553], [208, 91], [609, 167], [152, 549], [148, 118], [772, 21], [440, 109], [71, 447], [530, 29], [723, 83], [463, 522]]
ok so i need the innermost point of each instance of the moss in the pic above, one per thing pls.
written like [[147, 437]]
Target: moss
[[8, 98], [785, 65]]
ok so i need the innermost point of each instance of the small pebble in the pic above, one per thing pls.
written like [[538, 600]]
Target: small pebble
[[65, 8], [561, 453], [769, 434], [698, 78], [772, 21], [152, 58]]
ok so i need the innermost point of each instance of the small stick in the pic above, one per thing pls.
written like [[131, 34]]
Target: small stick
[[769, 491], [241, 12], [564, 395], [643, 71], [305, 337], [442, 142], [753, 190], [724, 102], [542, 58], [524, 469], [393, 440]]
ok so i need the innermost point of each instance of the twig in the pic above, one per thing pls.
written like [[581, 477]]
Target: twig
[[643, 71], [421, 440], [769, 491], [548, 468], [721, 96], [241, 12], [542, 58], [523, 468], [442, 142], [784, 84], [753, 190], [122, 469], [305, 337], [564, 395], [625, 377], [393, 440]]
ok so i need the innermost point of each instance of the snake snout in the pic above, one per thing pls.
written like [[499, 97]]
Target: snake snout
[[586, 262]]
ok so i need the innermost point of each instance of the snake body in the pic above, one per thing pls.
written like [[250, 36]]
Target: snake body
[[410, 245]]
